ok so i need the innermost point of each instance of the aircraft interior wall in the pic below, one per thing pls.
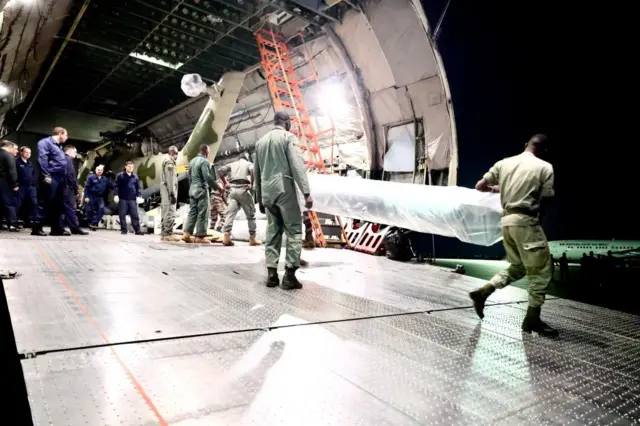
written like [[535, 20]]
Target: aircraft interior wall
[[397, 71]]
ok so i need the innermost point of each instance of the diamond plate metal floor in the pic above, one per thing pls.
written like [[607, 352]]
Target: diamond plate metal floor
[[136, 288], [366, 342]]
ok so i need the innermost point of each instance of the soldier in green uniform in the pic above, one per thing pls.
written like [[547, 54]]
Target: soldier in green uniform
[[523, 181], [201, 179], [169, 193], [278, 168], [239, 177]]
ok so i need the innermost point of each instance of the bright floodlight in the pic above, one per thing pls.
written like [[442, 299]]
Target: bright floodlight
[[155, 60], [332, 100], [4, 90]]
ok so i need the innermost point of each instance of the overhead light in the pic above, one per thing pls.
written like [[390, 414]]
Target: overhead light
[[4, 90], [155, 60]]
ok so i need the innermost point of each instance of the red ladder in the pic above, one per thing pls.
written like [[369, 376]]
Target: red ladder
[[284, 87]]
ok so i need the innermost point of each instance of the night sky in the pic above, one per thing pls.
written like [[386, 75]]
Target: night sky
[[518, 69]]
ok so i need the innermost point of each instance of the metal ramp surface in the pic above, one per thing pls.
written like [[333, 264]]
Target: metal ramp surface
[[126, 330]]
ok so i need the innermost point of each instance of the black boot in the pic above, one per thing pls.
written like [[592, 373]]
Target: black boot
[[272, 277], [479, 298], [290, 282], [59, 232], [79, 231], [532, 322], [36, 229]]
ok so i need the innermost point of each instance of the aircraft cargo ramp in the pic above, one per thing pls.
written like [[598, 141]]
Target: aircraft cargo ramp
[[125, 330]]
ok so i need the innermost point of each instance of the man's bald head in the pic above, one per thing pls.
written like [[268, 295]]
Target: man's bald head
[[281, 118], [537, 145]]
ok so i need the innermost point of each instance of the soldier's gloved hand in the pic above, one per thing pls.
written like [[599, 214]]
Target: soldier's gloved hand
[[86, 200], [173, 199], [116, 199], [47, 180], [308, 201], [139, 200], [261, 208]]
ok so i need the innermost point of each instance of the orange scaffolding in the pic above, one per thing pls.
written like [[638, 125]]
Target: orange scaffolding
[[285, 89]]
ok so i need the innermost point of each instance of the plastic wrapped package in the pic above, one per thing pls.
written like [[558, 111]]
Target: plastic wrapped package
[[192, 85], [463, 213]]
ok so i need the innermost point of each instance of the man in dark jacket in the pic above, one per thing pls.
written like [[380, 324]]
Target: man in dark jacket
[[53, 167], [127, 195], [27, 194], [71, 192], [8, 183], [95, 191]]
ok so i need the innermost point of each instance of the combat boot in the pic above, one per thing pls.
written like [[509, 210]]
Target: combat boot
[[253, 241], [186, 237], [272, 277], [532, 322], [226, 240], [479, 298], [308, 242], [290, 281], [36, 229]]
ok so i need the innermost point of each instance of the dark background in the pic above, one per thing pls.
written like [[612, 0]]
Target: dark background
[[547, 67]]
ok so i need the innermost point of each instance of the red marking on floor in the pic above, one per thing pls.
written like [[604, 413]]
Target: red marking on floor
[[86, 312]]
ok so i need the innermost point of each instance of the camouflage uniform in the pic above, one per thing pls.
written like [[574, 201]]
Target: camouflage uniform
[[218, 209], [168, 195]]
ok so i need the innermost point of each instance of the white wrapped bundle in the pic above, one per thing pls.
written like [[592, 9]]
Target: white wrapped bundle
[[192, 85], [467, 214]]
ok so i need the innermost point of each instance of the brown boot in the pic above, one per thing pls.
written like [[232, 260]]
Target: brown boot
[[201, 240], [253, 241], [186, 237], [308, 242], [227, 239], [479, 298]]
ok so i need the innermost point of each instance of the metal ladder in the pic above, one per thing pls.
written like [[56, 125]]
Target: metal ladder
[[286, 93]]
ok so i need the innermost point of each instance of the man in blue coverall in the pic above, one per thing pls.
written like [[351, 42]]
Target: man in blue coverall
[[8, 184], [27, 196], [71, 192], [95, 191], [53, 167], [127, 195]]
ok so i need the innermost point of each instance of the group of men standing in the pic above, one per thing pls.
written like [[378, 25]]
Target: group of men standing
[[277, 170], [54, 195]]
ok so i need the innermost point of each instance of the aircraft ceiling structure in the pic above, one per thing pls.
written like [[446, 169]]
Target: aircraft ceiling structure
[[125, 58]]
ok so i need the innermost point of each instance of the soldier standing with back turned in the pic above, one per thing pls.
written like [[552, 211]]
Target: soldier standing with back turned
[[169, 193], [201, 179], [523, 181], [240, 178]]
